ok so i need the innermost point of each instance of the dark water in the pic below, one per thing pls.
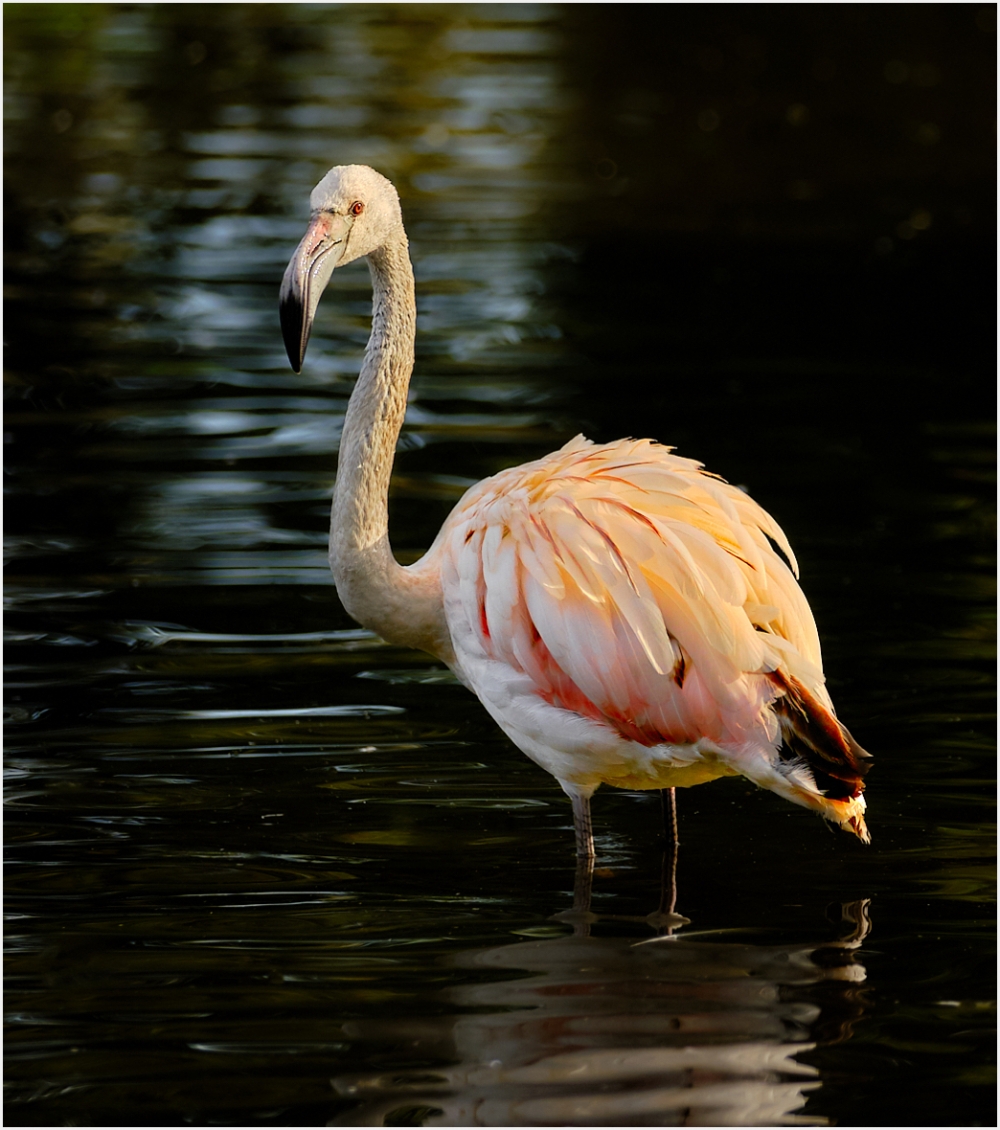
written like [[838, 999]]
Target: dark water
[[265, 869]]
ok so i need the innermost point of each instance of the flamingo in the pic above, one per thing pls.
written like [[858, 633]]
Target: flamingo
[[624, 616]]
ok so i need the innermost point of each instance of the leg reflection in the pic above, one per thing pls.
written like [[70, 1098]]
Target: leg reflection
[[581, 917]]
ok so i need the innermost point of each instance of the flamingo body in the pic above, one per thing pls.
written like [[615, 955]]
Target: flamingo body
[[621, 613], [625, 619]]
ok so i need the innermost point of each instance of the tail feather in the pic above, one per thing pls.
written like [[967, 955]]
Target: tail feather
[[811, 735]]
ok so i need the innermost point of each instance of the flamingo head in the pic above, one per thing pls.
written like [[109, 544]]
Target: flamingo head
[[355, 211]]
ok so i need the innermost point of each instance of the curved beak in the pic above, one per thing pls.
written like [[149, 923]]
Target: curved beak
[[306, 276]]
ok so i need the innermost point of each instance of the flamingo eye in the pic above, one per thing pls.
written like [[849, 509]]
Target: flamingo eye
[[357, 208]]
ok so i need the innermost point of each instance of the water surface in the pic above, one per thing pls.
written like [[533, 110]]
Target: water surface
[[264, 868]]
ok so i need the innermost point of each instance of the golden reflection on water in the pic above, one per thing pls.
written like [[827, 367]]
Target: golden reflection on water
[[598, 1031]]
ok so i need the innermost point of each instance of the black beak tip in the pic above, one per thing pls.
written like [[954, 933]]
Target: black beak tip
[[292, 314], [294, 362], [295, 355]]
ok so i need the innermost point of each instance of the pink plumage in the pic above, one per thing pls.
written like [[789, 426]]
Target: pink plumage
[[623, 584]]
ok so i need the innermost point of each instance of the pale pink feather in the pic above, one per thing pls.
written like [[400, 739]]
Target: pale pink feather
[[636, 589]]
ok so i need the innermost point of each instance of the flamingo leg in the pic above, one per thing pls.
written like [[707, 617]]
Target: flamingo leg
[[666, 918], [668, 882], [583, 883], [668, 886], [580, 916], [583, 828], [669, 815]]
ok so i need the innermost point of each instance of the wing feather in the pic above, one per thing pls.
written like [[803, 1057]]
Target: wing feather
[[633, 587]]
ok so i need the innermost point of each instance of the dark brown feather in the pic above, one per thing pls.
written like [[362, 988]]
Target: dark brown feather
[[811, 732]]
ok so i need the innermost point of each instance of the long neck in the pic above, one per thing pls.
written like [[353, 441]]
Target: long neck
[[402, 605]]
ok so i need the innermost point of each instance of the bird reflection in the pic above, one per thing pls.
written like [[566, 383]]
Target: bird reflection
[[675, 1029]]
